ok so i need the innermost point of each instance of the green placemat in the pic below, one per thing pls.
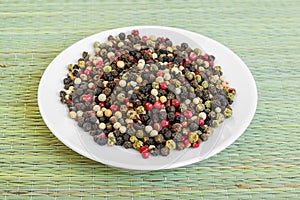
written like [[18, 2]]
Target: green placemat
[[263, 163]]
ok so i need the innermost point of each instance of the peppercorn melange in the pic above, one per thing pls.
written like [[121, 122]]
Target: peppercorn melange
[[146, 93]]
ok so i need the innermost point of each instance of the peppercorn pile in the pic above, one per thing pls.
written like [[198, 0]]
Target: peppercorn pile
[[146, 93]]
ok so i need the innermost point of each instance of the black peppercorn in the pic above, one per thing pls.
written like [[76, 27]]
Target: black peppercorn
[[127, 144], [151, 98], [171, 116], [193, 126], [171, 95], [162, 114], [122, 36], [119, 141], [170, 109]]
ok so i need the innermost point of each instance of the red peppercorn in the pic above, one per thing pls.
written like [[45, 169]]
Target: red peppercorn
[[187, 61], [145, 154], [129, 104], [87, 98], [201, 121], [169, 64], [101, 104], [188, 114], [114, 108], [193, 56], [135, 32], [102, 135], [160, 73], [144, 37], [158, 105], [157, 126], [184, 124], [88, 63], [177, 113], [91, 112], [187, 143], [87, 72], [184, 137], [206, 56], [143, 149], [163, 85], [165, 123], [148, 106], [69, 101], [175, 102], [196, 145]]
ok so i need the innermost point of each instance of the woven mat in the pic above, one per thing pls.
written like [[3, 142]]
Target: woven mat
[[263, 163]]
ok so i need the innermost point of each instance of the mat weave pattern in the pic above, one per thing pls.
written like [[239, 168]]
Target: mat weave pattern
[[264, 163]]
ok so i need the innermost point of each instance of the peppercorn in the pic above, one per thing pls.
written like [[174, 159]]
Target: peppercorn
[[171, 116], [164, 151], [166, 133], [127, 144], [171, 109], [176, 128]]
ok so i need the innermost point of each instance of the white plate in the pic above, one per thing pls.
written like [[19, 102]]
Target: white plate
[[55, 114]]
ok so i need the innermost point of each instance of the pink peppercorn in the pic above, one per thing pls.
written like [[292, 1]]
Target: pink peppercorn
[[206, 56], [135, 32], [88, 63], [143, 149], [157, 126], [187, 61], [87, 98], [148, 106], [184, 124], [102, 135], [91, 112], [186, 143], [193, 56], [158, 105], [211, 63], [160, 73], [163, 85], [188, 114], [196, 145], [145, 154], [114, 108], [177, 113], [175, 102], [201, 121], [165, 123], [87, 72], [144, 38]]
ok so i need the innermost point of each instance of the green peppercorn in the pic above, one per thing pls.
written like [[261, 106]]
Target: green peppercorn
[[228, 112], [204, 84], [207, 104], [171, 144]]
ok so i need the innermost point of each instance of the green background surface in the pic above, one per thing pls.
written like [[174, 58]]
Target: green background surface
[[264, 163]]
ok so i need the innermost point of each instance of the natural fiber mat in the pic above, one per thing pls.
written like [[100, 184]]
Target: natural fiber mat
[[263, 163]]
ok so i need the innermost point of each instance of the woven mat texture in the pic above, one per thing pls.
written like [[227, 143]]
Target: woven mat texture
[[264, 163]]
